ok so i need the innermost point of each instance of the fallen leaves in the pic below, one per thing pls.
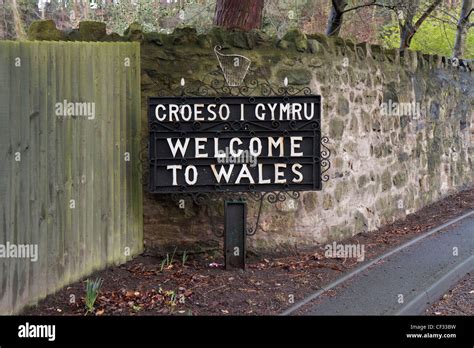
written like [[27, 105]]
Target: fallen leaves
[[139, 287], [141, 270], [133, 301], [457, 301]]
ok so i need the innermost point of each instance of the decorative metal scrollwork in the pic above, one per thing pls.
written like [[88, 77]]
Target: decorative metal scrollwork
[[207, 200], [325, 162], [214, 85], [271, 197]]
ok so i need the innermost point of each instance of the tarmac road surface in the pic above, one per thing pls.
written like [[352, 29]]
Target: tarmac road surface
[[405, 282]]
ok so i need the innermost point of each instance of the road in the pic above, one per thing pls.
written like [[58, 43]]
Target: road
[[406, 281]]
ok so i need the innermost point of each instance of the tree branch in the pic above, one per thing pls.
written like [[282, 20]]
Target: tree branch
[[447, 13], [373, 3], [360, 6], [426, 14], [442, 20], [468, 15]]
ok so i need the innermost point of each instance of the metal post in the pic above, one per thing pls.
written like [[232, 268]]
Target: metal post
[[235, 215]]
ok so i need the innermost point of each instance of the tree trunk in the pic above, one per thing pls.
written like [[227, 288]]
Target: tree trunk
[[462, 29], [239, 14], [406, 34], [20, 31], [336, 17], [3, 29]]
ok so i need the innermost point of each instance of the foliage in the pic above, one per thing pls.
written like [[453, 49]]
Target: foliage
[[26, 8], [92, 291], [184, 258], [119, 16], [168, 261], [154, 15], [372, 24], [435, 36]]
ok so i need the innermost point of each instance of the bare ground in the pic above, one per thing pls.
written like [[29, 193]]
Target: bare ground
[[270, 284], [457, 301]]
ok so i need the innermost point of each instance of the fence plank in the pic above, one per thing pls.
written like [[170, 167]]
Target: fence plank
[[6, 168], [124, 130], [42, 171], [67, 158], [15, 125], [102, 87], [79, 157], [127, 74], [117, 155], [137, 136], [61, 169], [53, 231], [35, 131], [24, 168], [4, 144], [96, 158]]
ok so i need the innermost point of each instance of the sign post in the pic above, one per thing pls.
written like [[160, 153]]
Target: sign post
[[235, 216], [235, 145]]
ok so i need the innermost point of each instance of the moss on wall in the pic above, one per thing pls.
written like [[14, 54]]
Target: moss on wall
[[378, 159]]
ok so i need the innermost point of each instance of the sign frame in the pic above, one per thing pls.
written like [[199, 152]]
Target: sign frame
[[247, 127]]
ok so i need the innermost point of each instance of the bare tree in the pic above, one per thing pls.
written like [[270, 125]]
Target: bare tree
[[338, 10], [462, 28], [336, 17], [407, 10], [239, 14]]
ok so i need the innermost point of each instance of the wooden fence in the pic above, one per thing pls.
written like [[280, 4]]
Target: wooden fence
[[70, 179]]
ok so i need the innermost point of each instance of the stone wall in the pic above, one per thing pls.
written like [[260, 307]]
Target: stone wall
[[383, 167]]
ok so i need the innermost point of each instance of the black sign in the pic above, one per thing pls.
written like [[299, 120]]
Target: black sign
[[238, 144]]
